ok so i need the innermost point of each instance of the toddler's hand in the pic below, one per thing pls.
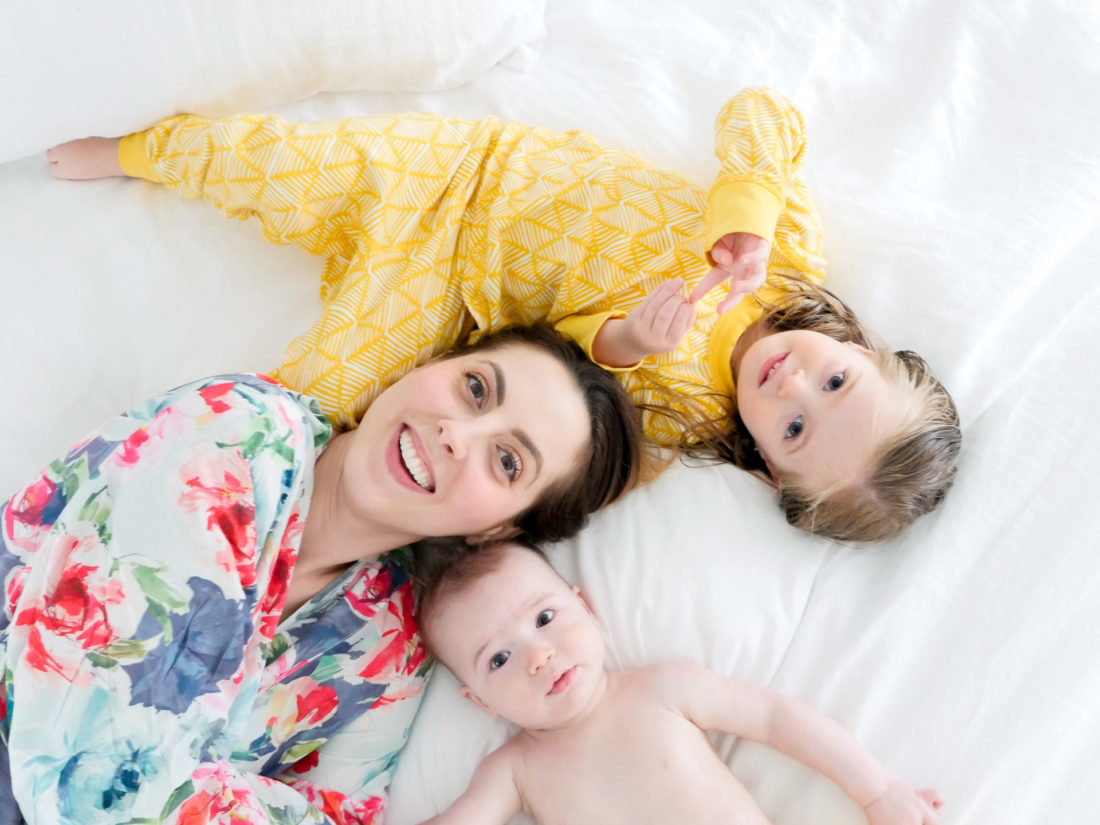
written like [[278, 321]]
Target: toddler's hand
[[660, 322], [657, 324], [901, 804], [85, 159], [740, 257]]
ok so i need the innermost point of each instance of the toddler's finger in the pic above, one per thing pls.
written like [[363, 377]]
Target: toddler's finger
[[709, 282], [685, 317]]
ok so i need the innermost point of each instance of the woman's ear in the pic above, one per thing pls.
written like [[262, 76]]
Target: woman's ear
[[501, 531], [473, 697]]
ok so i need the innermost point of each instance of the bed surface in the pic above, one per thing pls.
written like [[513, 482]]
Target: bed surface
[[954, 155]]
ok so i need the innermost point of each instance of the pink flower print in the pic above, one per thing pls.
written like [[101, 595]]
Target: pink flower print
[[317, 705], [220, 795], [129, 451], [75, 608], [340, 809], [26, 516], [214, 394], [13, 589], [270, 605], [220, 484]]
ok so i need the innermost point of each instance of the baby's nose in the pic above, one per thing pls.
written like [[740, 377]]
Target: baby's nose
[[540, 656]]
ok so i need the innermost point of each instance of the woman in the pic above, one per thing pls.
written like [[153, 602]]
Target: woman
[[160, 661]]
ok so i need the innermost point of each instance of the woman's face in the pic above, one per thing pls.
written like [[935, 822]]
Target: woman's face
[[462, 445]]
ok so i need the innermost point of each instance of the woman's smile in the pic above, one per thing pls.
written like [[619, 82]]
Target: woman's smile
[[415, 461]]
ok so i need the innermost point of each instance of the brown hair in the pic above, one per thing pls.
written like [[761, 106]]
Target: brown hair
[[912, 470], [613, 462], [445, 568]]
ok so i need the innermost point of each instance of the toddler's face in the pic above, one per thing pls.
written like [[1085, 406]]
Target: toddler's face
[[524, 644], [817, 408]]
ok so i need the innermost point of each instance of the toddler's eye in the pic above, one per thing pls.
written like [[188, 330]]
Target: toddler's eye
[[498, 661], [795, 428], [544, 618], [476, 387], [835, 382]]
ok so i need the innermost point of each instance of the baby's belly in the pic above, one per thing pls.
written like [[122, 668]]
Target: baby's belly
[[686, 785]]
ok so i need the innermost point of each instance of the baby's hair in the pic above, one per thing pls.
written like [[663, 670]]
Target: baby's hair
[[908, 475], [446, 568]]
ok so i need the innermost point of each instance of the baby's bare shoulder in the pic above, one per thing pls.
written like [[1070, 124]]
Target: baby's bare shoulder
[[670, 682]]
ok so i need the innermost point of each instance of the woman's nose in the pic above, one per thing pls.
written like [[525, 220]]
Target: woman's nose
[[540, 656], [454, 437]]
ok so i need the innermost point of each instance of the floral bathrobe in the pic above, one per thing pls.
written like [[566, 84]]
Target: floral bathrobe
[[146, 675]]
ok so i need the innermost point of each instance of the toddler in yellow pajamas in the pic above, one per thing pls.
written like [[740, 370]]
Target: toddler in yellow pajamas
[[433, 229]]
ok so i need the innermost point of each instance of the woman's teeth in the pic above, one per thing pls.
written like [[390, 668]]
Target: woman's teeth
[[412, 461]]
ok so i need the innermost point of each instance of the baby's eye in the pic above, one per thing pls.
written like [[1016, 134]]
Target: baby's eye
[[510, 463], [477, 388], [835, 382], [544, 618], [795, 428], [498, 661]]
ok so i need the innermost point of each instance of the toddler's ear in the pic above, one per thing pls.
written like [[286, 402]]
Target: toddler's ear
[[473, 697]]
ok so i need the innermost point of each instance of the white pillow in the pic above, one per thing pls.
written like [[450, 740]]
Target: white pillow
[[699, 565], [70, 69]]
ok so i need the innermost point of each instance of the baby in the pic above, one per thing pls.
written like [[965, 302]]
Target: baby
[[602, 746]]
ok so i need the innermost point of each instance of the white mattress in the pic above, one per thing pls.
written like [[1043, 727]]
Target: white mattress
[[955, 159]]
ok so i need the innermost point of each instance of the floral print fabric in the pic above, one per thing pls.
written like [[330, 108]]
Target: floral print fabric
[[146, 674]]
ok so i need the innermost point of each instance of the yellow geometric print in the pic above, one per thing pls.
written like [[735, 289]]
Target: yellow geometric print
[[430, 227]]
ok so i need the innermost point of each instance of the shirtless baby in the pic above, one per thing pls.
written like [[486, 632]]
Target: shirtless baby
[[602, 747]]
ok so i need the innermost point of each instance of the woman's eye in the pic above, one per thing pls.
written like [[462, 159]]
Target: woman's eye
[[795, 428], [510, 463], [476, 387], [498, 661], [835, 382], [544, 618]]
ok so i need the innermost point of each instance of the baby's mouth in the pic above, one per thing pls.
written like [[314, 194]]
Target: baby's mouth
[[414, 464]]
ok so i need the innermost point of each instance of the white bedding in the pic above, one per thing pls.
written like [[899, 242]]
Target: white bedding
[[955, 159]]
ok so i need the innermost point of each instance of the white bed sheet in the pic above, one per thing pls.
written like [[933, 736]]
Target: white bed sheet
[[955, 159]]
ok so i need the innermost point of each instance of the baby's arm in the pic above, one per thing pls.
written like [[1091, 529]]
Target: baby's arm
[[715, 702], [491, 798], [656, 325]]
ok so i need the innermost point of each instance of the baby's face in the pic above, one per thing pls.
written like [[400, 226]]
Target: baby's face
[[524, 644], [817, 408]]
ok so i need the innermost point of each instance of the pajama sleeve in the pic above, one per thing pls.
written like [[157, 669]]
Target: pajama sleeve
[[303, 181], [760, 141]]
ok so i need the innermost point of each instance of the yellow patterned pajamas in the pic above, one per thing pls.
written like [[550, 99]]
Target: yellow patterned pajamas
[[434, 228]]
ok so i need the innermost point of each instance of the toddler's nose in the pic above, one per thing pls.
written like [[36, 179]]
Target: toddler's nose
[[791, 383]]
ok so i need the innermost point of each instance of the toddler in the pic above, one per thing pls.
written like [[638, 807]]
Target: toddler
[[603, 747], [436, 229]]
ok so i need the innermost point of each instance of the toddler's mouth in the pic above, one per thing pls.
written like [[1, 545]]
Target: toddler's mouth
[[770, 366]]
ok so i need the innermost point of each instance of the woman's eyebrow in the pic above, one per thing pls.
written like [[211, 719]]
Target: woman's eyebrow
[[498, 375], [526, 441]]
